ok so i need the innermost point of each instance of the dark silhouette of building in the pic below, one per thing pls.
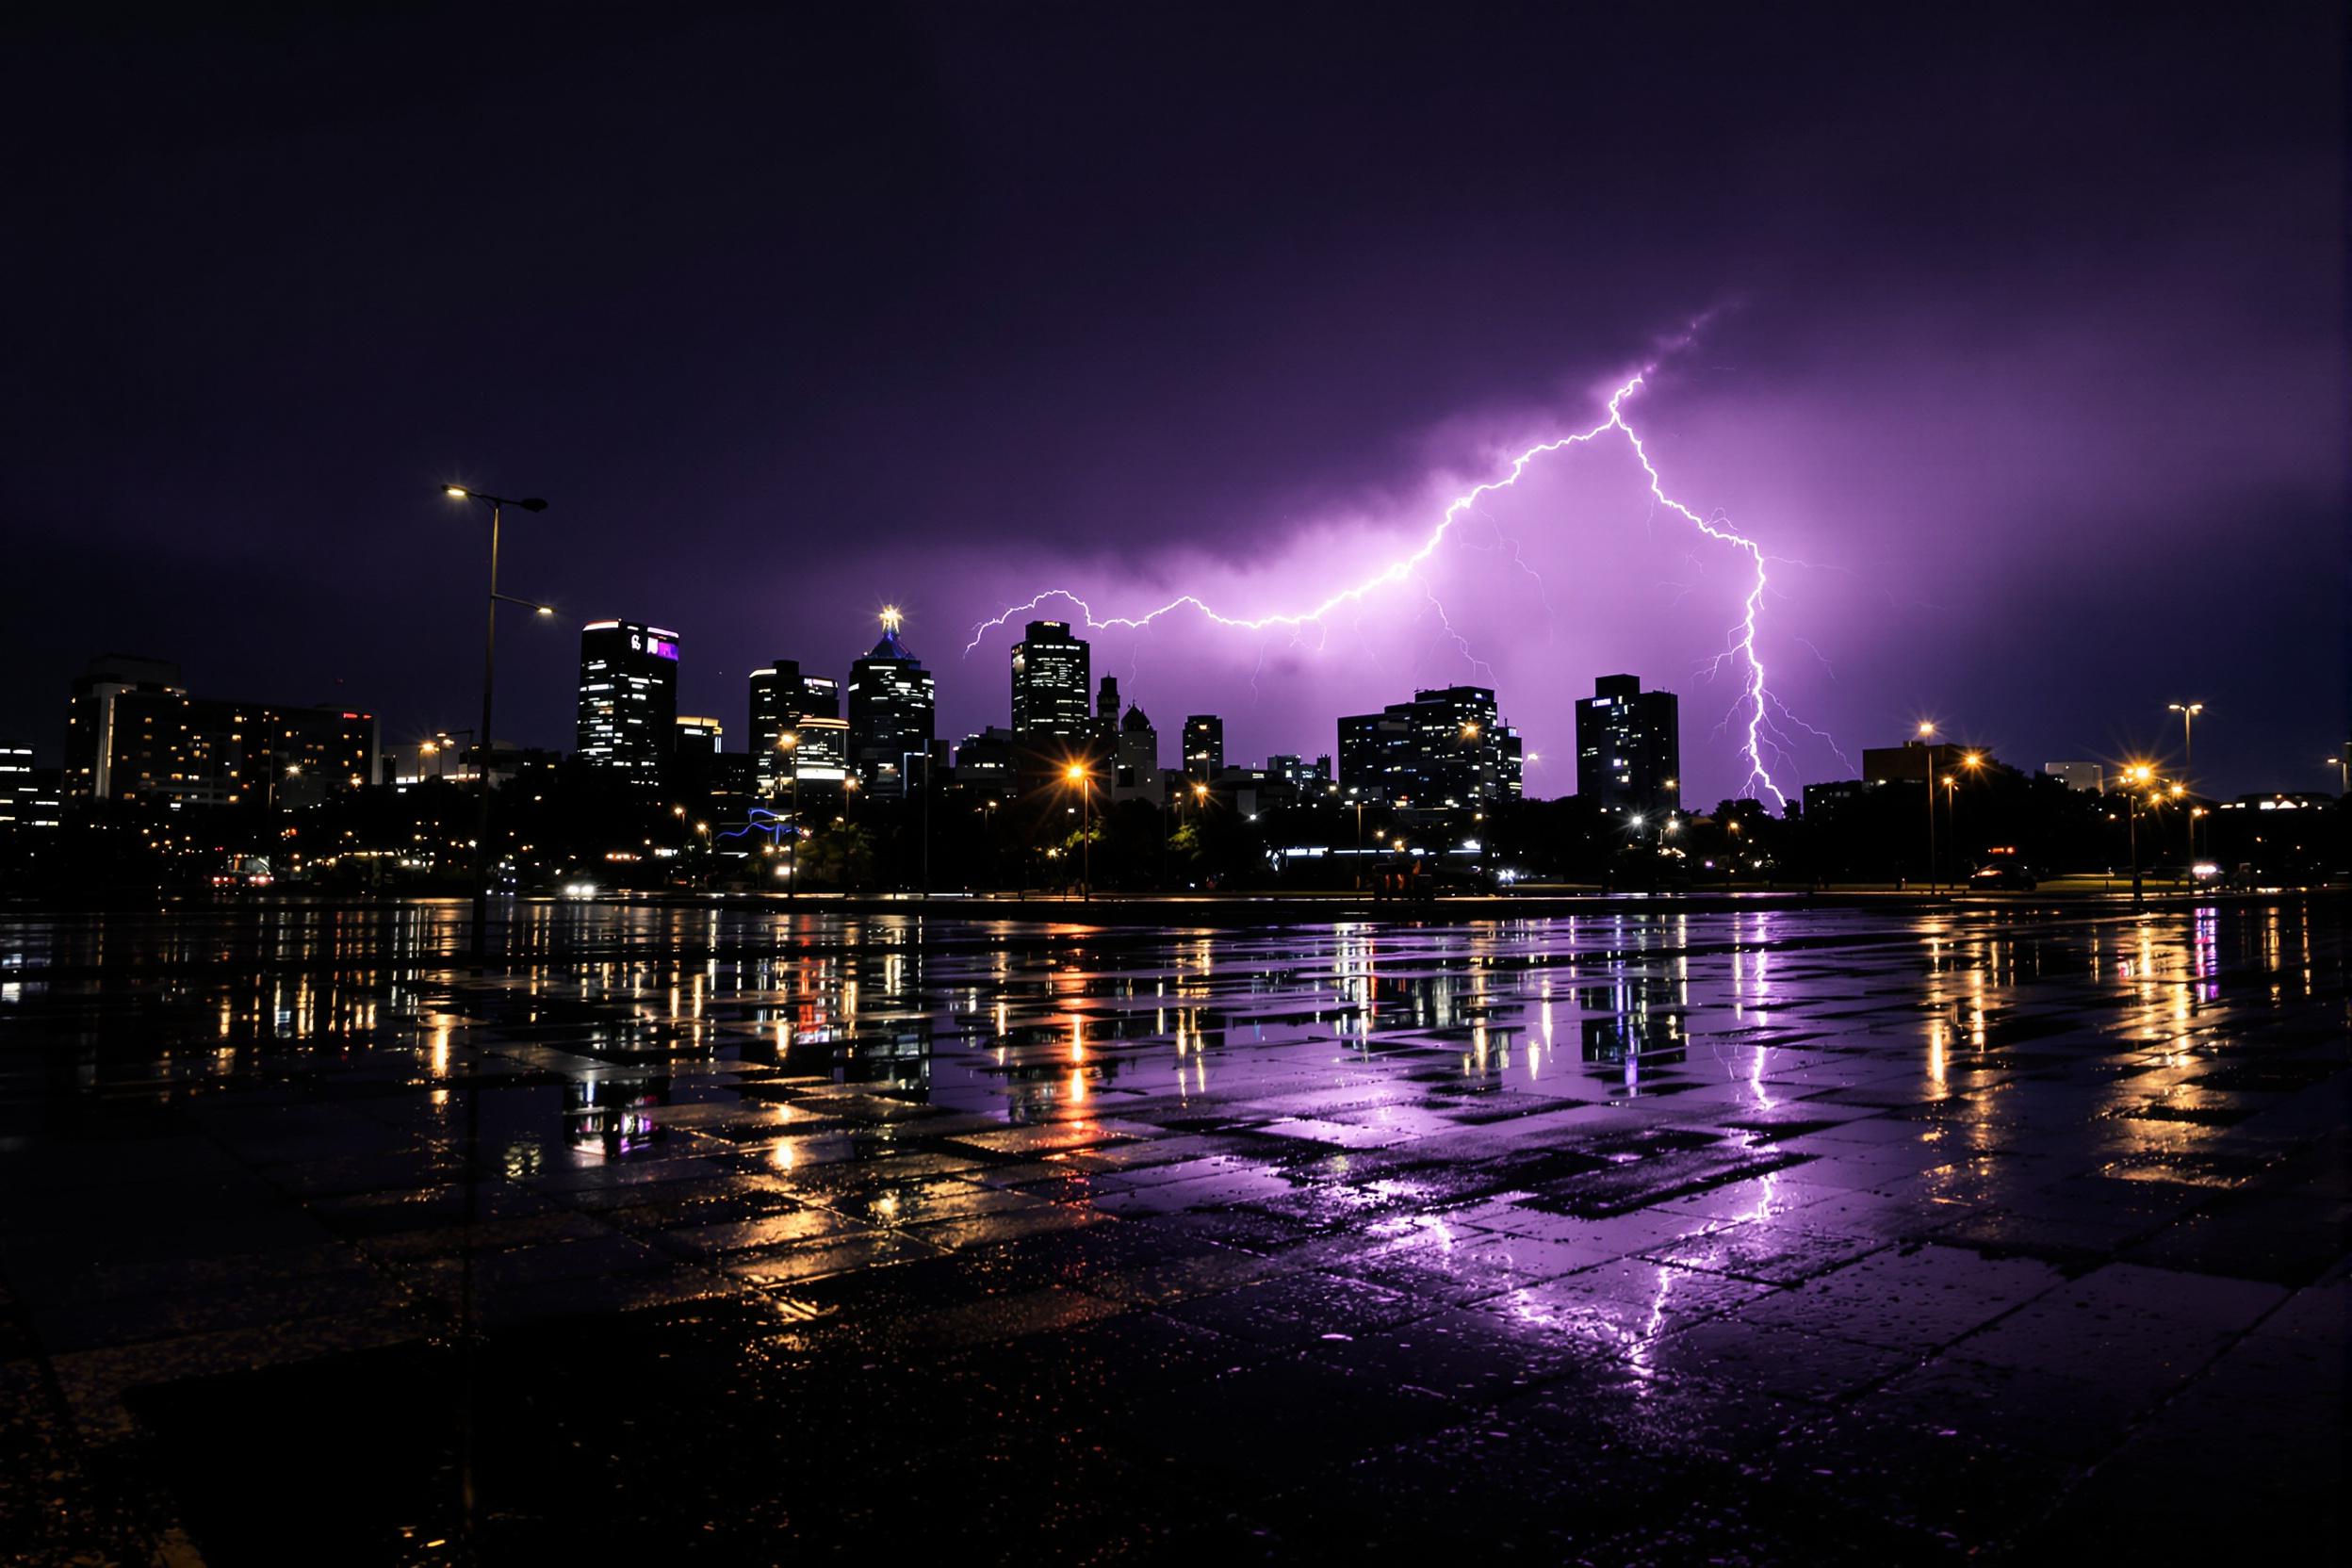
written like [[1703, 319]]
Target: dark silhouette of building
[[989, 764], [893, 709], [1106, 714], [1051, 680], [629, 699], [1919, 759], [1136, 760], [1629, 747]]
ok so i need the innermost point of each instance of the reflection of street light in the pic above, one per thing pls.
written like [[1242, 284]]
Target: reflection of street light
[[489, 673]]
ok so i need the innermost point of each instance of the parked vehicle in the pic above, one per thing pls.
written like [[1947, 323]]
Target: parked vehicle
[[1997, 874]]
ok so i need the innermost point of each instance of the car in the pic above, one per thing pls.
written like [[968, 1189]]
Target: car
[[2002, 873]]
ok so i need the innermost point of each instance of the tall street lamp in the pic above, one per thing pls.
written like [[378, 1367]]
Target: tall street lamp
[[1973, 761], [489, 678], [2188, 711], [2134, 779], [1079, 774], [789, 743], [1360, 804], [1927, 770], [2342, 762]]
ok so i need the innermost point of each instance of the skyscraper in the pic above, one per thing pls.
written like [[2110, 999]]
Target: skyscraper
[[1205, 747], [891, 712], [1629, 747], [781, 697], [1051, 680], [628, 698]]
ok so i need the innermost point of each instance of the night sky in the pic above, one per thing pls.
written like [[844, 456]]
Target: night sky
[[2017, 339]]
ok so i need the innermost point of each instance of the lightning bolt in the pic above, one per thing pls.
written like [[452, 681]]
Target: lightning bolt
[[1754, 705]]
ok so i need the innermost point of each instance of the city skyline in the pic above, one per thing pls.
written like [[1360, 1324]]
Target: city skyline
[[2059, 390], [1177, 782]]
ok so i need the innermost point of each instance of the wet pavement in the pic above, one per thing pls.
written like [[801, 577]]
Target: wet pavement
[[1639, 1236]]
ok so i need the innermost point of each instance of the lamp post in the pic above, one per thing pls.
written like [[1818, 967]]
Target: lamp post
[[1975, 762], [789, 743], [1927, 770], [1358, 794], [2342, 762], [2188, 711], [1951, 812], [2180, 792], [489, 676], [2134, 778], [1079, 774]]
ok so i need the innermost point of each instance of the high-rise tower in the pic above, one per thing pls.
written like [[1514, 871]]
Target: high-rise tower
[[1629, 746], [892, 708], [1049, 683], [628, 698]]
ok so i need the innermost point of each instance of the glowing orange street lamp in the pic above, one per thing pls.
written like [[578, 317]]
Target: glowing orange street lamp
[[2135, 777], [1076, 774], [1927, 772]]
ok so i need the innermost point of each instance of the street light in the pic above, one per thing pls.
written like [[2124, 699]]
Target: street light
[[1077, 773], [1927, 770], [789, 743], [1358, 794], [2188, 711], [2342, 762], [2135, 776], [489, 674]]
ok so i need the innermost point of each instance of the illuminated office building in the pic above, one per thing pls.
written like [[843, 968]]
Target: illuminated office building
[[1629, 747], [1205, 747], [1446, 748], [628, 698], [90, 741], [817, 757], [781, 697], [134, 733], [1051, 680], [892, 708]]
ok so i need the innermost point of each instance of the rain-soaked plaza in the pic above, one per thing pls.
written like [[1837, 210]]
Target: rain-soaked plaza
[[1772, 1234]]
